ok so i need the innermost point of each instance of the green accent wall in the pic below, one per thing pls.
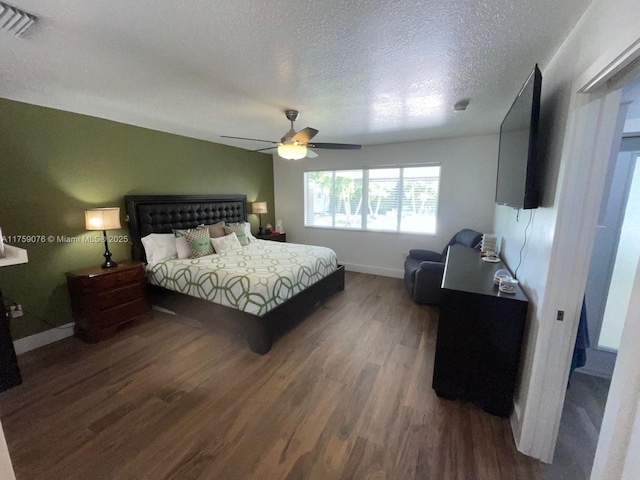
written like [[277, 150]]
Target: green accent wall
[[56, 164]]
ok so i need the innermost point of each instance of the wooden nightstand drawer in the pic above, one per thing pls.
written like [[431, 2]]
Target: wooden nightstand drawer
[[104, 298], [121, 295], [117, 279], [122, 313]]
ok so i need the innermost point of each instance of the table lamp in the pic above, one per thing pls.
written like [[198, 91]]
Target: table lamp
[[259, 208], [103, 219]]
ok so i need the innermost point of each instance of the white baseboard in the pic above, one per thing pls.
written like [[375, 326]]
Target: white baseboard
[[41, 339], [384, 272]]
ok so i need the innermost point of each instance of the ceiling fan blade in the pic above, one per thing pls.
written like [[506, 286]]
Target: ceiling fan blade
[[263, 149], [304, 135], [245, 138], [335, 146], [311, 154]]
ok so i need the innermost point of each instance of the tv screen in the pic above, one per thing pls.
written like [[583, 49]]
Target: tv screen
[[517, 157]]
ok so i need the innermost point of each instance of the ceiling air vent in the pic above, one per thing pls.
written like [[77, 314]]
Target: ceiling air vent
[[14, 20]]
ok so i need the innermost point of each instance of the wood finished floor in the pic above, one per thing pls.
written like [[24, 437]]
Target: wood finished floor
[[344, 395]]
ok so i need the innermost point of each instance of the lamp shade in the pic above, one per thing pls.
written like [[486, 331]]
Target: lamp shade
[[259, 207], [292, 151], [102, 218]]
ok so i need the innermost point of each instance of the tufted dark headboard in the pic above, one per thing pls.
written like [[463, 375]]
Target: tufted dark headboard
[[162, 213]]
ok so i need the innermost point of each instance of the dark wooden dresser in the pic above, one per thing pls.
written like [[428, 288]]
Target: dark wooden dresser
[[104, 298], [480, 333]]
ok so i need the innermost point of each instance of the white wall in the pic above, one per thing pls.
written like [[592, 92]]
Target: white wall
[[618, 453], [624, 270], [467, 189], [605, 30]]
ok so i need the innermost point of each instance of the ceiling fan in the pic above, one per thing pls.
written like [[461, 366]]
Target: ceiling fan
[[296, 145]]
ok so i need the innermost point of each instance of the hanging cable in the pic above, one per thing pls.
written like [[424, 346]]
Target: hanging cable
[[515, 274]]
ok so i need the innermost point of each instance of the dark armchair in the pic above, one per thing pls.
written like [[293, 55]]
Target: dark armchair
[[423, 269]]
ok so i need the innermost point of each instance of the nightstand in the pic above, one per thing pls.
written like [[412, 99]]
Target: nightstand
[[104, 298], [274, 237]]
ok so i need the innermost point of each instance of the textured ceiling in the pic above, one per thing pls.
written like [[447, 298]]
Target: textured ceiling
[[362, 71]]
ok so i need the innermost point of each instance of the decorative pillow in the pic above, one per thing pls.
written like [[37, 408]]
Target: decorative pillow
[[159, 246], [199, 242], [217, 230], [240, 230], [226, 243], [182, 246]]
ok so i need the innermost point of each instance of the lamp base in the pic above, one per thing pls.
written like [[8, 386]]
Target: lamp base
[[109, 264], [260, 230]]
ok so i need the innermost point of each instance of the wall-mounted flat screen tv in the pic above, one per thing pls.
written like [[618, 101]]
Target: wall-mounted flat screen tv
[[517, 184]]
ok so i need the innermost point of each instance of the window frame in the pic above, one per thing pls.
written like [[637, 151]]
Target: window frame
[[365, 198]]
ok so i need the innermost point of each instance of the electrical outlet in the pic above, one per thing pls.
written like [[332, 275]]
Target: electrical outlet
[[560, 316], [15, 311]]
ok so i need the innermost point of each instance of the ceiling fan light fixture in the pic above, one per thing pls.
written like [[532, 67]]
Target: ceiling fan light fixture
[[292, 151]]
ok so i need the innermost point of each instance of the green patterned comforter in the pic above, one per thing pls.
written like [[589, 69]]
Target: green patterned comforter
[[255, 279]]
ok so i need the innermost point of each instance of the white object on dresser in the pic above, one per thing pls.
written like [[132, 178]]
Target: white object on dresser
[[489, 243], [13, 256]]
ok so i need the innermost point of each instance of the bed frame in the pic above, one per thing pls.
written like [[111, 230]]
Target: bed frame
[[162, 213]]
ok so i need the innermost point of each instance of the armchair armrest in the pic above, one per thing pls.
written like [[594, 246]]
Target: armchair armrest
[[435, 267], [426, 282], [426, 255]]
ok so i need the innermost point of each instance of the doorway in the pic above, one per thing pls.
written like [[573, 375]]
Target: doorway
[[611, 277], [615, 253]]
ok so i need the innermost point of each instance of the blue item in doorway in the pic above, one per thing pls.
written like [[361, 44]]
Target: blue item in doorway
[[582, 342]]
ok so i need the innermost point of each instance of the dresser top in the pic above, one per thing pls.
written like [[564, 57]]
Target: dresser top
[[97, 270], [465, 271]]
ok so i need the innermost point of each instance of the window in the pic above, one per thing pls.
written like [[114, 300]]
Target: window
[[401, 199]]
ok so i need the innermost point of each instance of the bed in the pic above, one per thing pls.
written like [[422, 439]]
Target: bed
[[258, 309]]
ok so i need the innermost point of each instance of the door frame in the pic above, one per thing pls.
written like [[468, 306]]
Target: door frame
[[594, 131]]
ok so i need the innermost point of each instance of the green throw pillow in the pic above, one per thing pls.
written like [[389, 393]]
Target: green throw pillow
[[240, 231], [182, 246], [199, 243]]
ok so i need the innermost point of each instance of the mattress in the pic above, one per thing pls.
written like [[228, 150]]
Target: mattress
[[255, 279]]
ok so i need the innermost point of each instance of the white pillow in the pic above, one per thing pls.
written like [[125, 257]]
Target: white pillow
[[182, 247], [247, 227], [159, 246], [226, 243]]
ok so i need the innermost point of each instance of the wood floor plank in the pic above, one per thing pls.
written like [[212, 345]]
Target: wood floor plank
[[346, 393]]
